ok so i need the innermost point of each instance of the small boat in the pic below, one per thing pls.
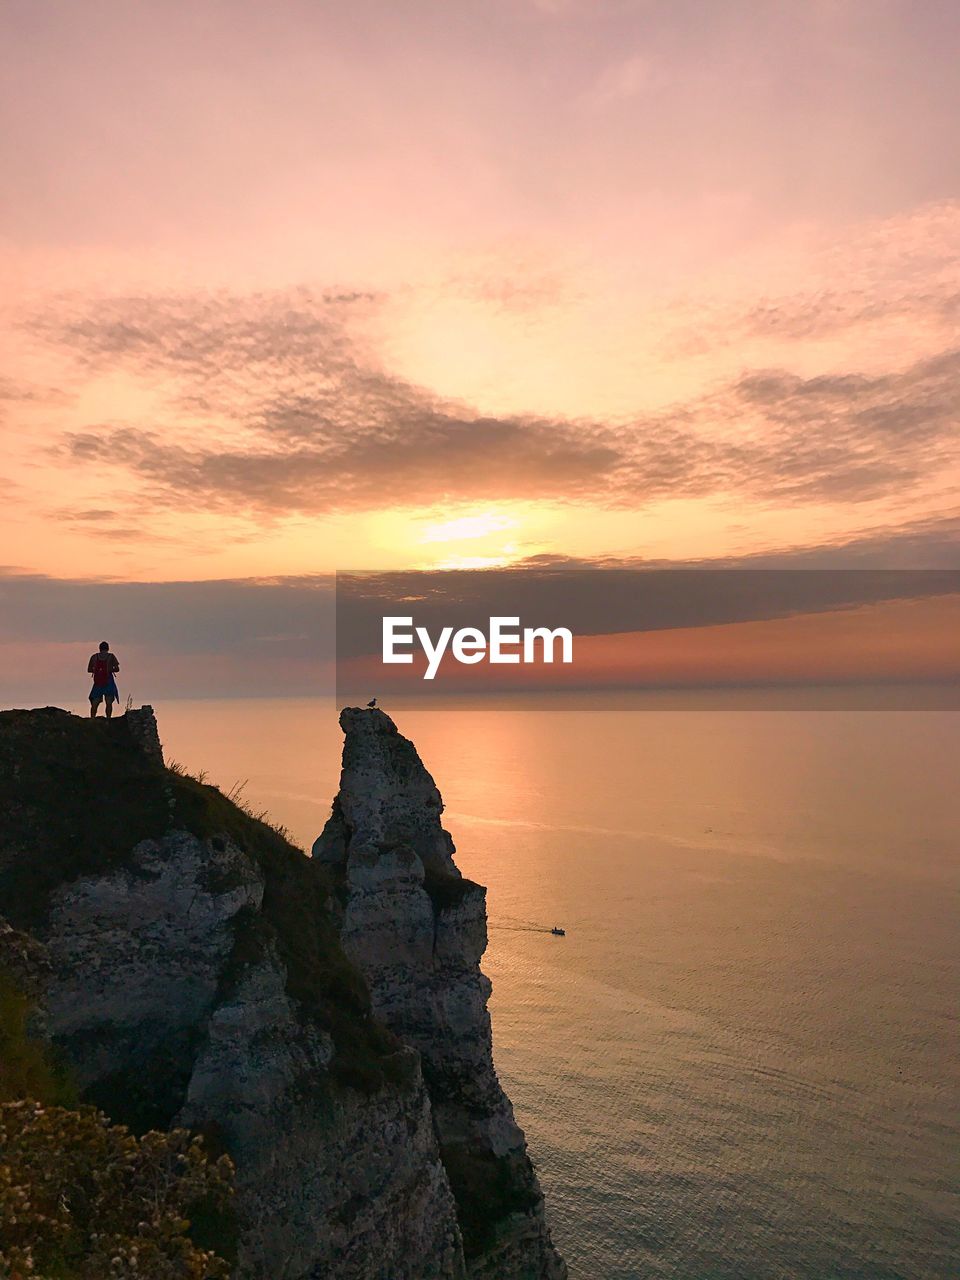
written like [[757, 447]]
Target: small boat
[[558, 932]]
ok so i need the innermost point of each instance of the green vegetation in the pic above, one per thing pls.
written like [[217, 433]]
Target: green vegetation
[[82, 1199], [205, 810], [487, 1189], [77, 1193]]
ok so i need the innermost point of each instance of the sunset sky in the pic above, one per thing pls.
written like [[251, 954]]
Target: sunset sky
[[300, 286]]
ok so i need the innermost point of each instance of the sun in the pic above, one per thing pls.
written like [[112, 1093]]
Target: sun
[[464, 537], [485, 527], [465, 528]]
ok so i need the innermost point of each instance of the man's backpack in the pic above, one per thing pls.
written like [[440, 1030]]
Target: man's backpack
[[102, 669]]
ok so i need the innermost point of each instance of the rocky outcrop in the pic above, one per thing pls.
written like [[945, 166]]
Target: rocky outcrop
[[138, 956], [321, 1020], [332, 1182], [192, 974], [142, 727], [417, 929]]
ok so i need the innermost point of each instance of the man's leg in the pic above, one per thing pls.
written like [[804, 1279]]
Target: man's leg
[[94, 705], [108, 704]]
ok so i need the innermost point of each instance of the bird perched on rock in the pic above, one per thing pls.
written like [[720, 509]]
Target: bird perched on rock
[[372, 702]]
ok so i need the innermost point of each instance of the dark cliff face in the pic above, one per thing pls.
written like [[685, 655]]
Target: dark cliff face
[[75, 798], [417, 930], [86, 804], [323, 1020], [193, 974]]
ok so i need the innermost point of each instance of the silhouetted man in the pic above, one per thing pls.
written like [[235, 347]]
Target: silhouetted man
[[103, 666]]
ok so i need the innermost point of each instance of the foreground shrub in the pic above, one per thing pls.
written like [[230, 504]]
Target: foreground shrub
[[83, 1199]]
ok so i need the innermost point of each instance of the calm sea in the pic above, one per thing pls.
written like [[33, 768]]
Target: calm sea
[[740, 1063]]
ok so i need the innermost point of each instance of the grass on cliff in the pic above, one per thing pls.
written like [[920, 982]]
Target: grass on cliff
[[76, 795]]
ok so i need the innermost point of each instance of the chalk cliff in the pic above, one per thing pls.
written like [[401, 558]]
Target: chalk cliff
[[198, 969], [416, 929]]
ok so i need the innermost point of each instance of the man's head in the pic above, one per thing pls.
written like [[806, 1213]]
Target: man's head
[[104, 647]]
